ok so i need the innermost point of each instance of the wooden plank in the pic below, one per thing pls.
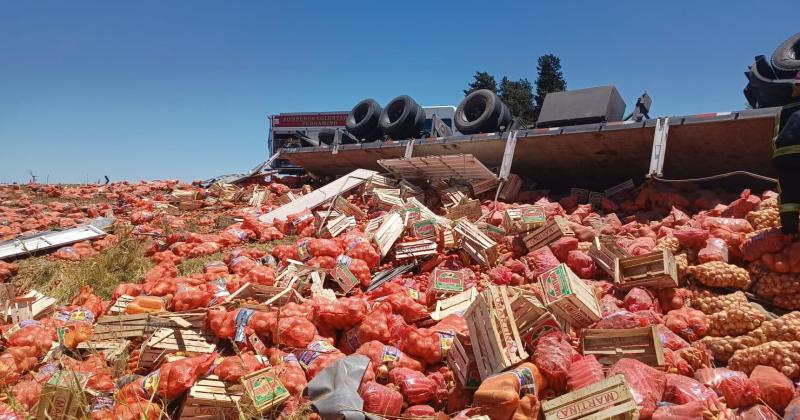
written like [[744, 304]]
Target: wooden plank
[[605, 400], [320, 195], [442, 167], [610, 345], [389, 231], [657, 270]]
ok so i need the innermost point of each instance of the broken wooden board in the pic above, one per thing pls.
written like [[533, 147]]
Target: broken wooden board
[[112, 327], [210, 399], [173, 340], [511, 187], [266, 296], [345, 207], [122, 302], [479, 246], [388, 233], [463, 166], [320, 195], [467, 208], [415, 249], [457, 304], [337, 226]]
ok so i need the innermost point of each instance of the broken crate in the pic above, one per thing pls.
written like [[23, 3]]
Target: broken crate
[[568, 297], [610, 345], [656, 270], [605, 400]]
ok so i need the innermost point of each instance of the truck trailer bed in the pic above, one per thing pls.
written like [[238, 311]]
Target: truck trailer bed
[[589, 156]]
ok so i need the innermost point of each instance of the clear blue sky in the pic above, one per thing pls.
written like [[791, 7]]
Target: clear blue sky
[[154, 89]]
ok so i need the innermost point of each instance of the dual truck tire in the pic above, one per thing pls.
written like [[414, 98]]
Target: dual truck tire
[[403, 118]]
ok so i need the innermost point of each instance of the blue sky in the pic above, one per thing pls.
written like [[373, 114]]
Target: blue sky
[[155, 90]]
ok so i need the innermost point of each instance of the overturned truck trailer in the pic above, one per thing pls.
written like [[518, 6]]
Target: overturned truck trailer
[[589, 155]]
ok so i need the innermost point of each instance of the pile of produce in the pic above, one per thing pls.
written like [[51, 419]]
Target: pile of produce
[[408, 301]]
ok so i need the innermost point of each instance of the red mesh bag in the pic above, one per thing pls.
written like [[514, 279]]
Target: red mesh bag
[[388, 356], [380, 399], [375, 326], [739, 392], [425, 344], [691, 237], [178, 376], [283, 252], [422, 411], [582, 264], [160, 272], [414, 385], [646, 383], [674, 363], [261, 274], [584, 372], [553, 356], [609, 304], [134, 411], [27, 393], [762, 412], [716, 249], [126, 289], [621, 319], [324, 261], [562, 247], [743, 205], [541, 260], [324, 247], [40, 337], [342, 313], [405, 306], [318, 355], [688, 323], [221, 323], [95, 366], [289, 371], [9, 374], [232, 368], [365, 252], [673, 298], [768, 241], [188, 298], [713, 378], [638, 299], [776, 389], [681, 390], [641, 246], [669, 339], [293, 331], [691, 411]]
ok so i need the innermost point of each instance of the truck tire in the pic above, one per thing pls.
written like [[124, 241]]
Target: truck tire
[[402, 118], [326, 135], [505, 117], [786, 58], [479, 112], [362, 121]]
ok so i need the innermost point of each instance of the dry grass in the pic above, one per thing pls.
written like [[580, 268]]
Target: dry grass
[[121, 263]]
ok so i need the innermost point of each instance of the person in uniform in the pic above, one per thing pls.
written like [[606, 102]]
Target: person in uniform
[[786, 158]]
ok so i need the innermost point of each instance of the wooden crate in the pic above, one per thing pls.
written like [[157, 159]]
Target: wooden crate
[[457, 304], [321, 216], [461, 360], [64, 396], [547, 234], [388, 233], [166, 341], [387, 199], [568, 297], [342, 275], [379, 182], [496, 233], [523, 219], [118, 308], [466, 208], [263, 390], [425, 229], [511, 187], [445, 283], [112, 350], [345, 207], [496, 342], [479, 246], [609, 399], [610, 345], [267, 296], [112, 327], [581, 193], [414, 249], [479, 187], [656, 270], [409, 190], [546, 323], [187, 319], [527, 309], [336, 226], [604, 253], [41, 305], [453, 195], [210, 398]]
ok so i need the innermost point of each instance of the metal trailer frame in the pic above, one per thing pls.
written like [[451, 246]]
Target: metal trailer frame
[[589, 155]]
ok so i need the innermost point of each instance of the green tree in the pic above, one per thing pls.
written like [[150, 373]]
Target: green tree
[[483, 80], [549, 79], [518, 95]]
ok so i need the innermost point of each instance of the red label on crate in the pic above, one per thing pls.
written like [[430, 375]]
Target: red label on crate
[[448, 281], [556, 284], [590, 404], [425, 229], [533, 214]]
